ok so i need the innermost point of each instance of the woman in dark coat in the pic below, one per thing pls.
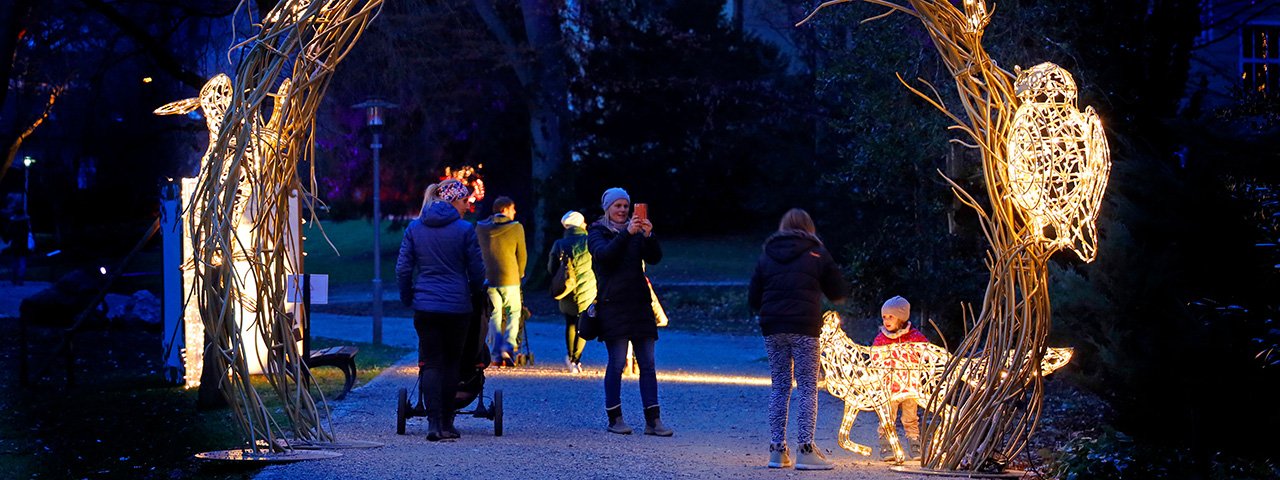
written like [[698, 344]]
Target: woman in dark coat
[[620, 246], [439, 271], [793, 274]]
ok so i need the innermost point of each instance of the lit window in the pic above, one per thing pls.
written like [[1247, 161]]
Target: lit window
[[1260, 58]]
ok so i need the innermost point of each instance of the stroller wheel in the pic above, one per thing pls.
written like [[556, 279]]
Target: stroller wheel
[[402, 409], [497, 413]]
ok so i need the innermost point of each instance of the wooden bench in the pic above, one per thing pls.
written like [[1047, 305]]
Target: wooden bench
[[342, 358]]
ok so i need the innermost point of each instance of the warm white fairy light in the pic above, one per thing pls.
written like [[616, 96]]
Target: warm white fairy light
[[1058, 161], [869, 378]]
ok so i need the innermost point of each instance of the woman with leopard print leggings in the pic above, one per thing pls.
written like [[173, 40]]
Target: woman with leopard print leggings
[[792, 276]]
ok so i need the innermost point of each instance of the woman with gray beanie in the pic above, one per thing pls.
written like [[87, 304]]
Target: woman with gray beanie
[[621, 244]]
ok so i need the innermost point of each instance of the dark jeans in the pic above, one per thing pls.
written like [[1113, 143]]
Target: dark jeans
[[618, 361], [440, 338], [573, 344]]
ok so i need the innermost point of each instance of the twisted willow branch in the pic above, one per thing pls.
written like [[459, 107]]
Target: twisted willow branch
[[1046, 165], [248, 177]]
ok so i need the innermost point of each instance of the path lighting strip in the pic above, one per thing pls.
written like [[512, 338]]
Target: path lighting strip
[[596, 374]]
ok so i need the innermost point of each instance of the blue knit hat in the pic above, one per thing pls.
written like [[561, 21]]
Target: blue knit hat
[[612, 195]]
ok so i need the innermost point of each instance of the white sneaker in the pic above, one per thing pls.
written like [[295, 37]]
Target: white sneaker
[[568, 364], [575, 368], [811, 458], [780, 456]]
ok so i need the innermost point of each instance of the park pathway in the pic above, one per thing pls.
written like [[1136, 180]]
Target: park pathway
[[713, 390]]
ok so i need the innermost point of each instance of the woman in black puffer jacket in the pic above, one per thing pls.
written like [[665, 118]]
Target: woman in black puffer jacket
[[620, 246], [793, 274]]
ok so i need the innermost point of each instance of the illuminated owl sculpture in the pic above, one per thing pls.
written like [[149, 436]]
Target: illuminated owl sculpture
[[1058, 162]]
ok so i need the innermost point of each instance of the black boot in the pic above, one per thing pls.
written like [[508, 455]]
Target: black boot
[[433, 429], [447, 429], [653, 423], [616, 423]]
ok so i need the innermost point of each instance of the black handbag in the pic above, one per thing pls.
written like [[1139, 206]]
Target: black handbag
[[589, 324], [565, 280]]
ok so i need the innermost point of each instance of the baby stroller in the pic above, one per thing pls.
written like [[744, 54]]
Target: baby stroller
[[475, 358]]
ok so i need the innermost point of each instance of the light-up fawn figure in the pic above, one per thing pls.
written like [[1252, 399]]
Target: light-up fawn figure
[[868, 378]]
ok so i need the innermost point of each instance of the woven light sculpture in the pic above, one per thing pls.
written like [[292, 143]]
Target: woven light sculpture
[[868, 378], [975, 420], [212, 102], [238, 217], [1059, 161]]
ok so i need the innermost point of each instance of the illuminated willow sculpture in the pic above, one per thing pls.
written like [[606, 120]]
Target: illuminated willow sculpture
[[1046, 166], [249, 174]]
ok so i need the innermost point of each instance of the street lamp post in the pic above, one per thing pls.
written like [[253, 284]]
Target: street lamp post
[[26, 182], [375, 109]]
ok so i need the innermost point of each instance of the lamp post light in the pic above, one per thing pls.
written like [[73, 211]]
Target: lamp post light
[[375, 110], [27, 161]]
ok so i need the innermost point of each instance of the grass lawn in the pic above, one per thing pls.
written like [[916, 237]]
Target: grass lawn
[[351, 265], [699, 260], [701, 281], [120, 420]]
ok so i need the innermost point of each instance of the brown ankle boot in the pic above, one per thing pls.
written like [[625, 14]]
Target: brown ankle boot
[[616, 423]]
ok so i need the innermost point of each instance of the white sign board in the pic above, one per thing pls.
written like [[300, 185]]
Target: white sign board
[[319, 289]]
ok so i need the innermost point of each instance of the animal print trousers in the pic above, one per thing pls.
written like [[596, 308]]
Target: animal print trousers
[[788, 352]]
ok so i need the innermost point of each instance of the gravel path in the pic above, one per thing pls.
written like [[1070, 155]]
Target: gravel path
[[713, 390]]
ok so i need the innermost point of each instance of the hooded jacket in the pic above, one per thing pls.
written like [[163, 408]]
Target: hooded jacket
[[574, 244], [439, 266], [623, 301], [793, 274], [502, 246]]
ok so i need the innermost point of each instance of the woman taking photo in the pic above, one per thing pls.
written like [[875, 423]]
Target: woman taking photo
[[438, 271], [620, 246]]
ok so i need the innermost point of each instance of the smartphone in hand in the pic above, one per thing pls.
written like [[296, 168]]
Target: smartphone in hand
[[642, 211]]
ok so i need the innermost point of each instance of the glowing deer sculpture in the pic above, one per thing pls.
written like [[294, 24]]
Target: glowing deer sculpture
[[213, 101], [861, 376]]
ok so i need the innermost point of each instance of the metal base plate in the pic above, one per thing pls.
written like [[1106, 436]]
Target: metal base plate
[[245, 455], [957, 473]]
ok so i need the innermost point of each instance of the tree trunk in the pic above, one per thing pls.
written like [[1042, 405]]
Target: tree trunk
[[546, 85]]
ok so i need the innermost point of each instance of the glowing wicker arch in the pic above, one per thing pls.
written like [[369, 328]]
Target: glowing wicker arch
[[1045, 167]]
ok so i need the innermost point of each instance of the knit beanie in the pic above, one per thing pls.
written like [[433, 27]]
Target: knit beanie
[[573, 219], [612, 195], [452, 190], [898, 307]]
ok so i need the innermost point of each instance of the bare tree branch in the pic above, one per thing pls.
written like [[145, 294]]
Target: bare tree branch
[[17, 142], [162, 56]]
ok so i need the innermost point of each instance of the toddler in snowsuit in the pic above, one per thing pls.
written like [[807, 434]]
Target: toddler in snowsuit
[[896, 328]]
